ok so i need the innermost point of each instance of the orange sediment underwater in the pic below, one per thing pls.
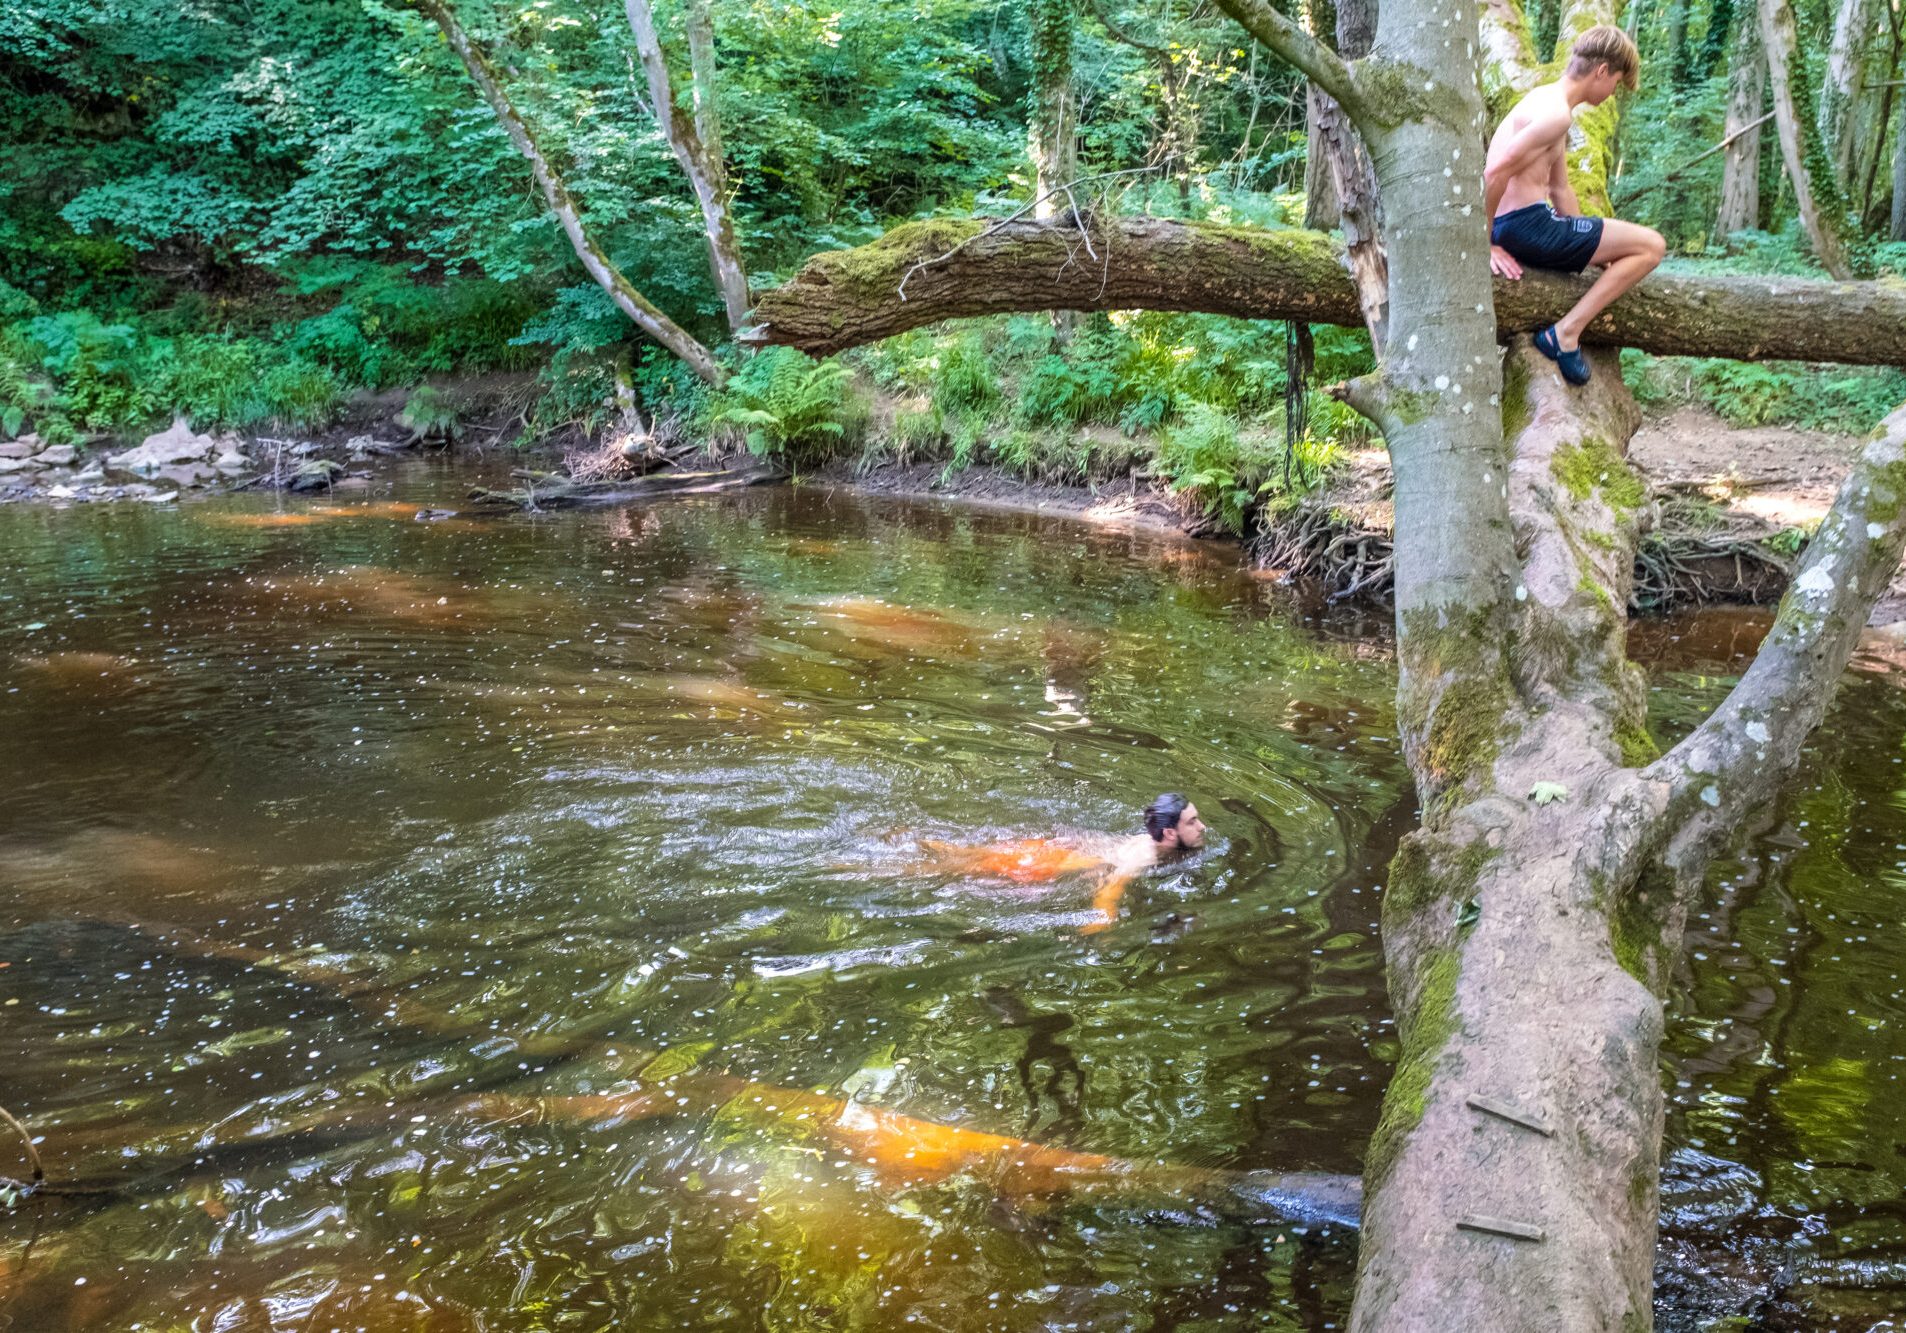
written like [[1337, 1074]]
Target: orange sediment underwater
[[389, 510], [901, 1150]]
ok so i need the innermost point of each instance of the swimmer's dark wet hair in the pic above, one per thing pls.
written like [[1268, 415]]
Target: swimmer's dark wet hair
[[1162, 815]]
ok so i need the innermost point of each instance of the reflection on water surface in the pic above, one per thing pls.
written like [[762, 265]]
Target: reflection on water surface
[[531, 923]]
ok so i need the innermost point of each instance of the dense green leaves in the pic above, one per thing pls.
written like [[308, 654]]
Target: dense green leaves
[[318, 176]]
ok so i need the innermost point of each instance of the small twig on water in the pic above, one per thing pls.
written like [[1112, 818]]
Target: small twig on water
[[32, 1152]]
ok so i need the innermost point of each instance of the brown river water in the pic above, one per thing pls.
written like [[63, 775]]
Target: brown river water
[[528, 923]]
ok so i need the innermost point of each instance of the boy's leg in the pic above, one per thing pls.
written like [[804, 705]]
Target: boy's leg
[[1628, 253]]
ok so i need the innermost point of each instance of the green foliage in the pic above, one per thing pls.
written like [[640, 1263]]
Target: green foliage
[[788, 404], [964, 379], [1848, 399], [70, 373], [429, 415], [1227, 469]]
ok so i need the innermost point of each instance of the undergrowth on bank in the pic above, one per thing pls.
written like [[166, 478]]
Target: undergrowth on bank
[[1848, 399]]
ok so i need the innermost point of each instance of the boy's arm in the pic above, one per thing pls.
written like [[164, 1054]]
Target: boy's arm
[[1561, 193], [1522, 150]]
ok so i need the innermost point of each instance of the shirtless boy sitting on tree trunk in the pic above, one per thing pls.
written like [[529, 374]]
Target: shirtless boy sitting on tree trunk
[[1535, 217]]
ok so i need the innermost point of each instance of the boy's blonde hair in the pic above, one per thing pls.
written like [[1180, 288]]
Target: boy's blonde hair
[[1607, 45]]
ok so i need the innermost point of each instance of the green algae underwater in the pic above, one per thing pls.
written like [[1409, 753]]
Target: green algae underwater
[[492, 820]]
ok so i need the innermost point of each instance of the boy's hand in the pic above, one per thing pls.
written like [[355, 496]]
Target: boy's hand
[[1503, 264]]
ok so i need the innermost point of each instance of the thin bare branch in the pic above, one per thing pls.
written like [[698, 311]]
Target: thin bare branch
[[1317, 62]]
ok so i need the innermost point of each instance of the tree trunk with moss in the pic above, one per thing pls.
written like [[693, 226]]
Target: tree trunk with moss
[[1740, 161], [694, 137], [643, 313], [1856, 23], [1053, 122], [1809, 171]]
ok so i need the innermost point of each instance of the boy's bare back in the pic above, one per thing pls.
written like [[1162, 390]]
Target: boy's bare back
[[1539, 122]]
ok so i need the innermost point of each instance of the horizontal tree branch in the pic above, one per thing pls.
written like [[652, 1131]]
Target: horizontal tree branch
[[846, 298]]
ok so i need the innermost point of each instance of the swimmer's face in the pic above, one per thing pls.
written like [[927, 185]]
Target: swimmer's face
[[1190, 830]]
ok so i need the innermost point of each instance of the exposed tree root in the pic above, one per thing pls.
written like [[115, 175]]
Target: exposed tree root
[[1675, 565]]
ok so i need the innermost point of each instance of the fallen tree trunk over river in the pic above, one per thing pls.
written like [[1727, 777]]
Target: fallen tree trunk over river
[[925, 272]]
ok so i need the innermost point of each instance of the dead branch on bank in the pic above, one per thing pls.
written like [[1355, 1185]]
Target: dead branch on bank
[[555, 490]]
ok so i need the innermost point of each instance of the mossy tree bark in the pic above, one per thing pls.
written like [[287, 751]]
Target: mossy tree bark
[[1816, 194], [643, 313], [694, 137], [924, 272], [1740, 161], [1053, 122], [1856, 23]]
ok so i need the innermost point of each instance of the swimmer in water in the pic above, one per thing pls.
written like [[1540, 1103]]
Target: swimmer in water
[[1172, 829]]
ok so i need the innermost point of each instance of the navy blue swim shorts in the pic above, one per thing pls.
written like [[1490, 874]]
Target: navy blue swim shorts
[[1542, 238]]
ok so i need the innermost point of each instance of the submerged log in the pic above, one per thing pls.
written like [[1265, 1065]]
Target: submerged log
[[924, 272], [552, 490]]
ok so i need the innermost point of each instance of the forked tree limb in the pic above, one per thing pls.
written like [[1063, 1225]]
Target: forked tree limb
[[643, 313], [1737, 758], [695, 139], [847, 298]]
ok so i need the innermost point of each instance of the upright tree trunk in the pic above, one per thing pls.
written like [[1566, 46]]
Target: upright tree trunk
[[1871, 150], [1722, 24], [1899, 180], [1821, 206], [1855, 25], [1740, 164], [1322, 212], [643, 314], [1353, 178], [1680, 53], [1053, 122], [698, 153]]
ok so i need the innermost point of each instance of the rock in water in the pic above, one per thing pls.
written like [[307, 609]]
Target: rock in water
[[169, 448]]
